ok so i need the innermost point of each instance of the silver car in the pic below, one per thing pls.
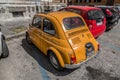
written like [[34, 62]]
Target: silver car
[[4, 52]]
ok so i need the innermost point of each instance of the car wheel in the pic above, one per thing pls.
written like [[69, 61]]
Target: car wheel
[[4, 49], [28, 39], [54, 61]]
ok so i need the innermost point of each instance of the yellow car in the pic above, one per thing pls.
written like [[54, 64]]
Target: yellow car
[[63, 37]]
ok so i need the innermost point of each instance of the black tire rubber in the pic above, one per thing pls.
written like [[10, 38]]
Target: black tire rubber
[[28, 39], [5, 50], [51, 54]]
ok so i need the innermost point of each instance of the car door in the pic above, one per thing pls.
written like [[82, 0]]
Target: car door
[[35, 31], [49, 35]]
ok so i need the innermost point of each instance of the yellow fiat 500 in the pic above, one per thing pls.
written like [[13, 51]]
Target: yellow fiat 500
[[63, 37]]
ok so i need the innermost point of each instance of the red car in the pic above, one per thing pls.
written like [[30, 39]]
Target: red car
[[94, 18]]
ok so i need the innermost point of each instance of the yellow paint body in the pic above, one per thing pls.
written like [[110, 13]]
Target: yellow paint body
[[65, 42]]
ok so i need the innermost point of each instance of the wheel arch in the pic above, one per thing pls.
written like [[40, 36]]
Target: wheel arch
[[58, 55]]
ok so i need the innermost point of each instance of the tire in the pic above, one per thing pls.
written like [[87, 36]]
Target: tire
[[54, 61], [5, 51], [28, 39]]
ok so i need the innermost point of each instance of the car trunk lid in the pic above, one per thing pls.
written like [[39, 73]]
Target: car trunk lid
[[81, 43]]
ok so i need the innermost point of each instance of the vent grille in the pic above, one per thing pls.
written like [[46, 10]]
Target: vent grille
[[77, 32], [89, 35], [76, 40]]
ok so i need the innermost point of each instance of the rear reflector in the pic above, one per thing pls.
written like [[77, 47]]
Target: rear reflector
[[73, 59]]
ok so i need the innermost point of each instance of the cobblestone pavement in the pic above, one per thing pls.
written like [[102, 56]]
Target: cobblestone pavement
[[26, 62]]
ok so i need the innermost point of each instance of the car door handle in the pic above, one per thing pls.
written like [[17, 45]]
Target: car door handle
[[39, 33]]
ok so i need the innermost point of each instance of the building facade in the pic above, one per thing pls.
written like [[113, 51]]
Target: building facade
[[26, 8], [95, 2]]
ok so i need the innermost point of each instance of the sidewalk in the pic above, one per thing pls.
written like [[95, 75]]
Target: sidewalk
[[13, 28]]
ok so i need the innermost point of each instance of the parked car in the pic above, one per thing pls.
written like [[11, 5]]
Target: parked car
[[111, 16], [93, 17], [117, 9], [4, 52], [63, 37]]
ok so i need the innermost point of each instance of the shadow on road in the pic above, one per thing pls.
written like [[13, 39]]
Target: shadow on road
[[43, 60]]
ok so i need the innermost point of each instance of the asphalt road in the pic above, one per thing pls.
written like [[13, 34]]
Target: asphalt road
[[26, 62]]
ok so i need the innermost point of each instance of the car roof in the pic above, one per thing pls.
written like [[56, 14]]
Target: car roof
[[60, 14], [104, 6], [87, 8]]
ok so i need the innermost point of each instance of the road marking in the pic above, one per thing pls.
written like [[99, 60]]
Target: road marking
[[42, 70], [44, 73]]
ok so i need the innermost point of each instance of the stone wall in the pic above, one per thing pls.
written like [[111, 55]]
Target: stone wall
[[103, 2], [8, 11]]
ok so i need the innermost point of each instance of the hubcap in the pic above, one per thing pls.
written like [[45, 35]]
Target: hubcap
[[54, 61]]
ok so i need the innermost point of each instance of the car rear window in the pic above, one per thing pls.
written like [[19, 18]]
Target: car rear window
[[73, 22], [95, 14]]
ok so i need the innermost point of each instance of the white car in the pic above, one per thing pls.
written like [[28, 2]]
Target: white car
[[4, 52]]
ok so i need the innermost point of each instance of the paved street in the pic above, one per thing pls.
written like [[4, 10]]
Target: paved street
[[14, 25], [26, 62]]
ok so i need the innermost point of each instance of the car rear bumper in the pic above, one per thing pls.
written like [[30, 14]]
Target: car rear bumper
[[97, 32], [72, 66]]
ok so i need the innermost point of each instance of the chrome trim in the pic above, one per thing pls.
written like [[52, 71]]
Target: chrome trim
[[72, 66]]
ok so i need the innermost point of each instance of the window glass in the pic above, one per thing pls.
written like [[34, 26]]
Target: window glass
[[37, 22], [78, 1], [95, 14], [87, 1], [97, 0], [48, 27], [73, 22]]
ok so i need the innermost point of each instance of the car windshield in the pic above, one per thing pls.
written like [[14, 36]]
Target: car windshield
[[95, 14], [73, 22]]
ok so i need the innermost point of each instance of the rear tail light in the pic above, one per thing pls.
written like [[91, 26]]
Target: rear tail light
[[105, 20], [73, 59], [108, 12], [98, 46]]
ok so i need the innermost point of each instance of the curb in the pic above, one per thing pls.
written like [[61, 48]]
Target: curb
[[10, 37]]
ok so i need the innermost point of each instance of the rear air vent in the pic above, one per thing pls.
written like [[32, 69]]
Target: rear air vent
[[77, 32], [76, 40], [89, 35]]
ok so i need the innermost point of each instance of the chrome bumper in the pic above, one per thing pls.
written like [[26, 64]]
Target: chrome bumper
[[72, 66]]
